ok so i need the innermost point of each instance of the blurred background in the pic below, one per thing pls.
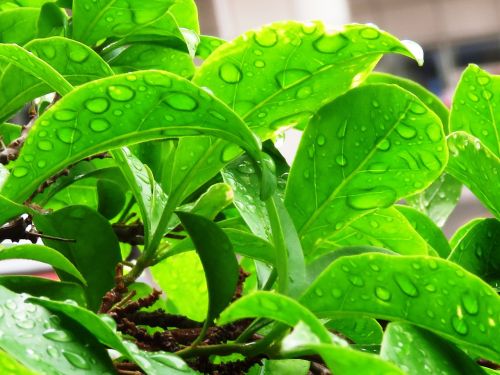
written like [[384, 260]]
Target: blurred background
[[453, 33]]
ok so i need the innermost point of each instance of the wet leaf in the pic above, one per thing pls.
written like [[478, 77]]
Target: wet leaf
[[18, 25], [9, 363], [360, 330], [208, 44], [417, 351], [52, 21], [366, 172], [431, 293], [42, 254]]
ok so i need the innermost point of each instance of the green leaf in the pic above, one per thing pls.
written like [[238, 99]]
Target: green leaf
[[477, 167], [153, 56], [72, 60], [439, 200], [8, 362], [111, 198], [260, 71], [477, 250], [208, 44], [156, 363], [431, 293], [432, 101], [45, 343], [340, 360], [214, 200], [281, 366], [276, 307], [385, 228], [18, 25], [95, 256], [414, 349], [360, 330], [147, 193], [9, 132], [52, 20], [96, 21], [100, 115], [462, 231], [42, 254], [365, 172], [218, 259], [474, 100], [427, 229], [41, 287]]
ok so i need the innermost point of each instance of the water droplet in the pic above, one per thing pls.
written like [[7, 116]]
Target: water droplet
[[369, 33], [121, 93], [65, 115], [45, 145], [356, 280], [483, 80], [99, 125], [157, 79], [53, 352], [68, 135], [49, 52], [473, 97], [246, 167], [76, 360], [20, 172], [97, 105], [418, 109], [109, 19], [459, 325], [470, 303], [430, 288], [230, 73], [78, 54], [318, 292], [330, 43], [382, 294], [217, 115], [56, 335], [341, 160], [406, 131], [406, 285], [25, 324], [304, 92], [259, 64], [41, 163], [487, 94], [375, 104], [230, 152], [266, 37], [377, 197], [384, 145], [288, 77], [337, 293], [434, 132], [181, 102], [321, 140]]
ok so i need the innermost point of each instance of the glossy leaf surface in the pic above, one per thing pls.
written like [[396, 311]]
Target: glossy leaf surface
[[477, 250], [477, 167], [42, 254], [432, 293], [100, 115], [402, 151], [276, 307], [417, 351], [18, 25], [52, 21], [80, 224], [360, 330], [157, 363], [218, 259], [340, 360], [44, 342], [427, 229], [9, 363], [74, 61]]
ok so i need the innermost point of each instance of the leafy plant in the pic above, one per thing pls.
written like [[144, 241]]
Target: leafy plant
[[149, 149]]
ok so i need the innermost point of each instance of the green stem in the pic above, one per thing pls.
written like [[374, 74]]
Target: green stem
[[279, 244]]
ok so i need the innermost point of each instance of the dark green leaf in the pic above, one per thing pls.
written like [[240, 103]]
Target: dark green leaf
[[43, 342], [477, 167], [42, 254], [477, 250], [72, 60], [432, 293], [100, 115], [462, 231], [41, 287], [157, 363], [95, 250], [365, 172], [18, 25], [360, 330], [276, 307], [218, 259], [52, 21], [9, 132], [415, 350], [111, 198], [427, 229]]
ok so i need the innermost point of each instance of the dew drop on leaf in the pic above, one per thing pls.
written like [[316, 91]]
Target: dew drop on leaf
[[97, 105], [406, 285], [406, 131], [53, 352], [321, 140], [230, 73], [470, 303], [65, 115], [76, 360], [337, 293], [341, 160], [288, 77], [304, 92], [330, 43], [181, 102], [259, 64], [56, 335], [41, 163], [473, 97], [121, 93], [25, 324], [459, 325], [20, 172], [68, 135], [99, 125], [384, 145], [372, 198], [382, 294], [356, 280], [45, 145], [369, 33], [266, 37], [49, 51], [483, 80]]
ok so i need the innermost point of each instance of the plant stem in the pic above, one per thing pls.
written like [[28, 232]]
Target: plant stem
[[279, 245]]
